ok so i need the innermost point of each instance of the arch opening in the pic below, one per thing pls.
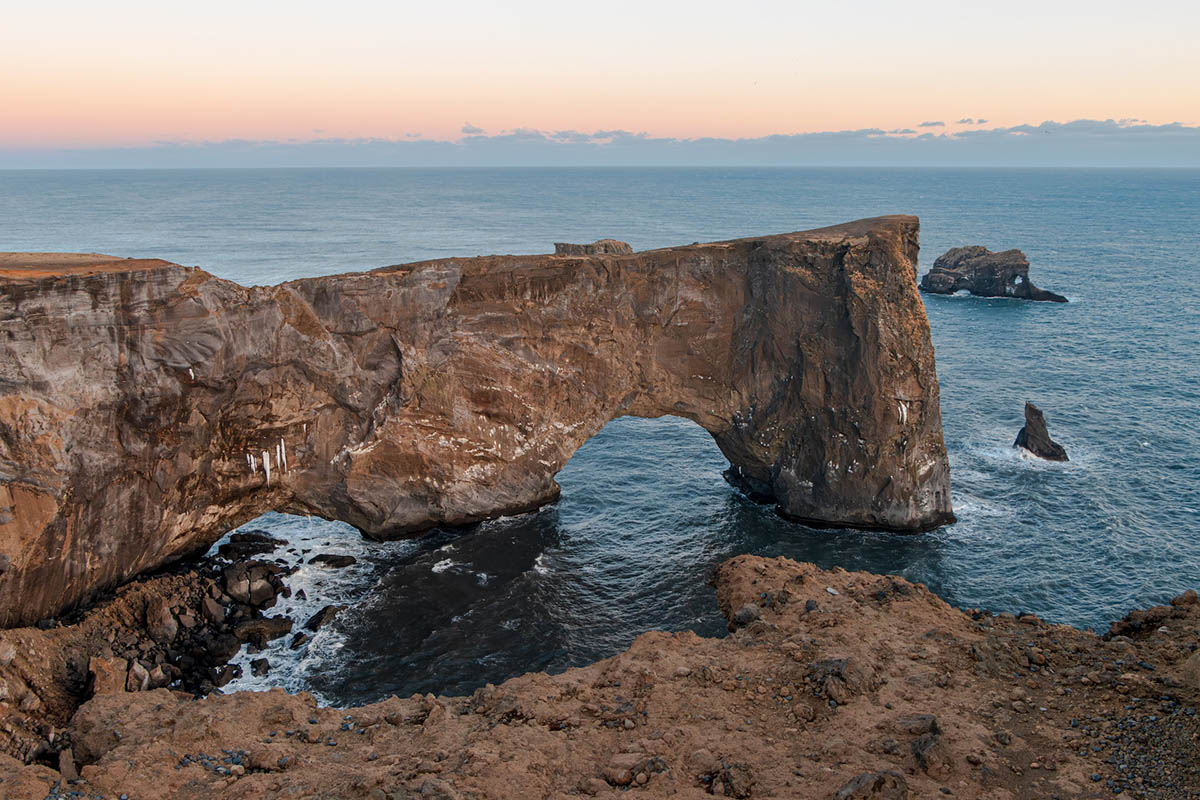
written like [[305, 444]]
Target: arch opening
[[643, 516]]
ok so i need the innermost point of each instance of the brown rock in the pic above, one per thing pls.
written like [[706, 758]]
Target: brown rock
[[7, 652], [1190, 671], [260, 631], [213, 611], [138, 678], [596, 248], [66, 765], [886, 785], [182, 388], [160, 622], [108, 675]]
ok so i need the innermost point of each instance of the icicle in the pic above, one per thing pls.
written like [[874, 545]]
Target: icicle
[[191, 374], [267, 465], [283, 455], [306, 427], [253, 463]]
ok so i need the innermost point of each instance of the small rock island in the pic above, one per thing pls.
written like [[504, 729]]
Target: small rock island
[[984, 273], [1035, 438]]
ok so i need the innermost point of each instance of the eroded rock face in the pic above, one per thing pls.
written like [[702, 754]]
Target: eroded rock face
[[981, 272], [596, 248], [1035, 437], [146, 408]]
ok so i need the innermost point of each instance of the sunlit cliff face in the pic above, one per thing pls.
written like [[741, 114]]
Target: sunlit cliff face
[[133, 72]]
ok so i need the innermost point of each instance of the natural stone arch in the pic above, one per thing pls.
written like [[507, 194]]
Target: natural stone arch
[[142, 400]]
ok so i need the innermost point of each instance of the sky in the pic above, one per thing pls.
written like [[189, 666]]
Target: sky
[[126, 83]]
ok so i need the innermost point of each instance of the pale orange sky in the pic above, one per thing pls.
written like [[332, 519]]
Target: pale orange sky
[[131, 73]]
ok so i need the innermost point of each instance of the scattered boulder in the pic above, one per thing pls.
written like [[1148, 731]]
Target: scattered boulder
[[260, 667], [599, 247], [255, 583], [107, 675], [885, 785], [839, 679], [744, 616], [260, 631], [333, 560], [1036, 439], [213, 611], [138, 679], [7, 652], [160, 622], [226, 674], [326, 614], [981, 272], [249, 544], [66, 765]]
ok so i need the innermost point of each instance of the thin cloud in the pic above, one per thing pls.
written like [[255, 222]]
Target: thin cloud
[[1082, 142], [966, 121], [472, 130], [937, 124]]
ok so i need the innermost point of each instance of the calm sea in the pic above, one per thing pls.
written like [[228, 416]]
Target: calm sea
[[644, 513]]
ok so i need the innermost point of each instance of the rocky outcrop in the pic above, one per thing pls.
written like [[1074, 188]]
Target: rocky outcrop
[[146, 408], [1035, 438], [847, 685], [981, 272], [596, 248]]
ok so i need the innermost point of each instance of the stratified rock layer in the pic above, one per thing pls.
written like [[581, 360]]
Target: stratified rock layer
[[1035, 437], [146, 408], [981, 272]]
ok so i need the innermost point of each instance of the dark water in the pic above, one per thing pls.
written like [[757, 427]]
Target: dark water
[[644, 513]]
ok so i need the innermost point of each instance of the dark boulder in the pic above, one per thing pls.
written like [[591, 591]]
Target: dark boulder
[[247, 545], [260, 631], [984, 273], [1036, 439], [326, 614], [332, 560]]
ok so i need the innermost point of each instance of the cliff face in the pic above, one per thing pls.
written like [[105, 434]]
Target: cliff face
[[146, 408]]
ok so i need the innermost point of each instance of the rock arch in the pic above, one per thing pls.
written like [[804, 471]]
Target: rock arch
[[142, 402]]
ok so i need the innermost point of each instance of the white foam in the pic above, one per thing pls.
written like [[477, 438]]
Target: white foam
[[443, 565], [291, 669]]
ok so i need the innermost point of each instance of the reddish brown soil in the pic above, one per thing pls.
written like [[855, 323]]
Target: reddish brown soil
[[834, 684]]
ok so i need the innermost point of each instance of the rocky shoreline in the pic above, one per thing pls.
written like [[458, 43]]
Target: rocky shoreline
[[830, 684]]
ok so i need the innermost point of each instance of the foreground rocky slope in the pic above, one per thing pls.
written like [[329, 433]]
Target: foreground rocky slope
[[146, 408], [833, 684]]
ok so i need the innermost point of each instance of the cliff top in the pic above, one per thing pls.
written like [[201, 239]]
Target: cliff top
[[19, 266], [49, 265]]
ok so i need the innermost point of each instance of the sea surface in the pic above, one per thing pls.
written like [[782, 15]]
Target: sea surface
[[644, 513]]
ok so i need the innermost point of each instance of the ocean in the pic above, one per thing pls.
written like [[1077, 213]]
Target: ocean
[[644, 513]]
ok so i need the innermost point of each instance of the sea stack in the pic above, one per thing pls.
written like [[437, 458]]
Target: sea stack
[[981, 272], [1036, 439]]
